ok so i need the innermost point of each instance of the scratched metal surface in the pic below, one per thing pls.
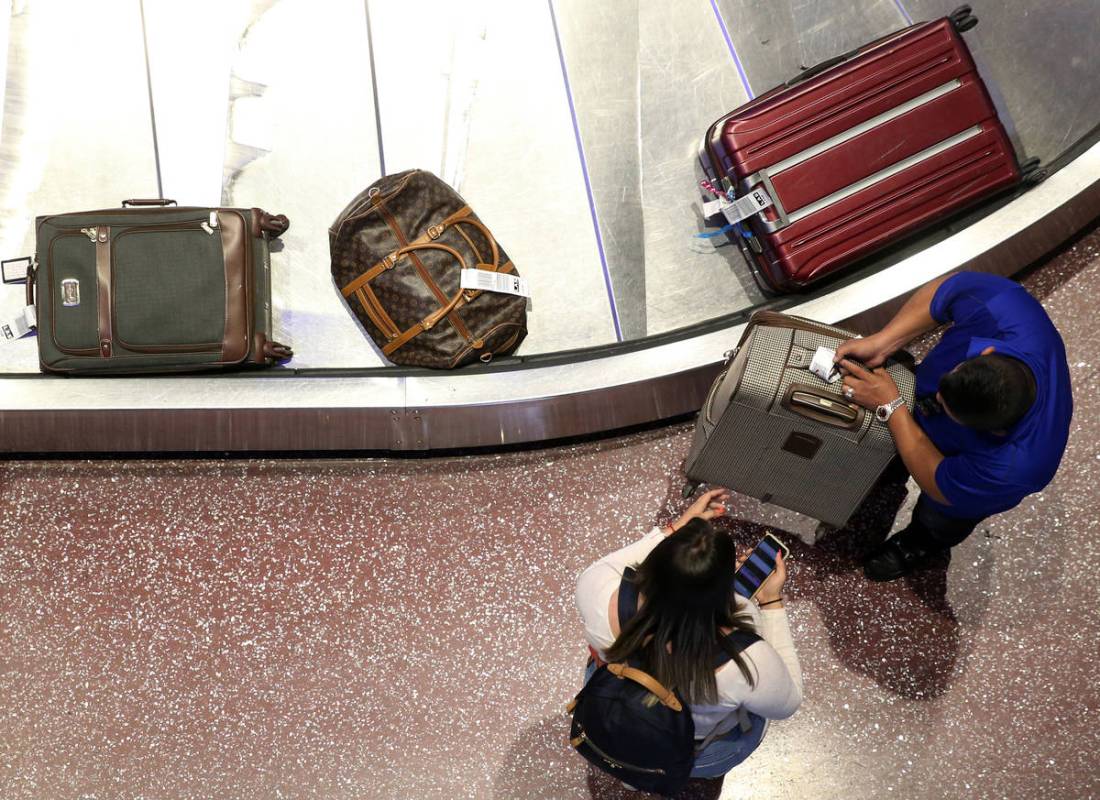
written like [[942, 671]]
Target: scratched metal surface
[[582, 161]]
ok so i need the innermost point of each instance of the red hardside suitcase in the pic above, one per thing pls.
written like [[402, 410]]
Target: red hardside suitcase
[[862, 150]]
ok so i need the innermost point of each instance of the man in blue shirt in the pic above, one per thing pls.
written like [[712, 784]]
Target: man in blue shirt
[[993, 408]]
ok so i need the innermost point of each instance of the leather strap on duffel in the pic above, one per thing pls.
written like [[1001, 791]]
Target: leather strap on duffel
[[390, 261], [426, 241]]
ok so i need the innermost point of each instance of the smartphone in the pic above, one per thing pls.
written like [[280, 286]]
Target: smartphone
[[758, 566]]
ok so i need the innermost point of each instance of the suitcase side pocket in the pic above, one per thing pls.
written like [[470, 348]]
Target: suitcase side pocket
[[71, 293], [169, 289]]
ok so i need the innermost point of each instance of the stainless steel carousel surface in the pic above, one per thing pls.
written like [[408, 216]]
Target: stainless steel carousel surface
[[571, 127]]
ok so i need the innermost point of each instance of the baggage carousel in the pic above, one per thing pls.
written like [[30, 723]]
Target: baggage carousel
[[572, 128]]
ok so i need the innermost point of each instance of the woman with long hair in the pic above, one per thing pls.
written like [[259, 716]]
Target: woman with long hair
[[680, 602]]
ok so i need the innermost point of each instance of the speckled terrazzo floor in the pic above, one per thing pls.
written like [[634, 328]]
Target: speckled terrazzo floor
[[405, 629]]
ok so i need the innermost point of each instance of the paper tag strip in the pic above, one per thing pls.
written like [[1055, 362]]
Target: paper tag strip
[[745, 207], [18, 327], [484, 281], [739, 209]]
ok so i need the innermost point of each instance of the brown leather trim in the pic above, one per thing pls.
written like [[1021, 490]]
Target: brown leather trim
[[235, 340], [488, 237], [403, 338], [662, 694], [426, 276], [369, 203], [393, 257], [470, 242], [480, 343], [373, 306], [103, 284]]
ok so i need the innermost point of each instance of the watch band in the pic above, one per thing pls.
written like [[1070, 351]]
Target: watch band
[[884, 412]]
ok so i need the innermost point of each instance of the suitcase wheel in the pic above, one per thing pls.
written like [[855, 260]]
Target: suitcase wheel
[[1032, 172], [962, 19]]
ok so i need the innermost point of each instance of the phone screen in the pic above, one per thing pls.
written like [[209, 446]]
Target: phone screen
[[757, 567]]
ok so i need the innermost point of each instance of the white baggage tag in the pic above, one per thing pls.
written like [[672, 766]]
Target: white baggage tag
[[484, 281], [18, 327], [744, 207], [823, 367], [713, 208]]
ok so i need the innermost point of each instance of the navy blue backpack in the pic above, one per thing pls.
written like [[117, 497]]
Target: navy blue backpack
[[632, 727]]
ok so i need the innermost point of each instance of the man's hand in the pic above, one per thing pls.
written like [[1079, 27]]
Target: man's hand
[[868, 388], [871, 350], [709, 505]]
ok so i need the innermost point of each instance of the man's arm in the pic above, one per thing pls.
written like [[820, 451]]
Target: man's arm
[[920, 456], [913, 319], [873, 388]]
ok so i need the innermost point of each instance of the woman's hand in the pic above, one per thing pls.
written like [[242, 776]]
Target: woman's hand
[[709, 505], [772, 588]]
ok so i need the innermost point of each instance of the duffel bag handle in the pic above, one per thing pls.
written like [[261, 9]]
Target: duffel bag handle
[[432, 319], [148, 202]]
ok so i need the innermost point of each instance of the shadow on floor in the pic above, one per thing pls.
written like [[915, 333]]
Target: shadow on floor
[[540, 764], [904, 634]]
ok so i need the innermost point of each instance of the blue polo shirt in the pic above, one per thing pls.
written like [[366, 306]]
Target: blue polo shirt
[[983, 474]]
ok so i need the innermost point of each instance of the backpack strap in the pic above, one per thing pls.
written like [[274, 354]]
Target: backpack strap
[[628, 597], [733, 644]]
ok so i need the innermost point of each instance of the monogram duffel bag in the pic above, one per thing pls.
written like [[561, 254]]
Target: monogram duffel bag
[[398, 250]]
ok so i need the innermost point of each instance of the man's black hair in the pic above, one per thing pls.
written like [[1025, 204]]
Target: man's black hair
[[989, 393]]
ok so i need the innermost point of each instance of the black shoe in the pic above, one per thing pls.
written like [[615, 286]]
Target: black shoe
[[895, 558]]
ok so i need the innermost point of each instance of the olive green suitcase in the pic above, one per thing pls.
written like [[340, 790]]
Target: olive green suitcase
[[154, 288]]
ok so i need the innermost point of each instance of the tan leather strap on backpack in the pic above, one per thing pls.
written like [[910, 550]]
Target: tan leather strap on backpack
[[666, 697]]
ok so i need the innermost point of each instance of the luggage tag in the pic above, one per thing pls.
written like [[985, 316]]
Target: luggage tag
[[18, 327], [822, 365], [485, 281], [734, 212]]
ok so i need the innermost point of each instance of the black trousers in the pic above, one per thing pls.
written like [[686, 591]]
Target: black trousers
[[929, 527], [935, 530]]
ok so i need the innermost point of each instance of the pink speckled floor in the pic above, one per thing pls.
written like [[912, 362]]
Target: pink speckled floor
[[405, 629]]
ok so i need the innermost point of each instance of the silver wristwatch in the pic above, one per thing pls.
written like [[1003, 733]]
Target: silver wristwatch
[[883, 413]]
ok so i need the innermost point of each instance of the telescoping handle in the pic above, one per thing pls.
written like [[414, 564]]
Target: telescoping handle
[[148, 202]]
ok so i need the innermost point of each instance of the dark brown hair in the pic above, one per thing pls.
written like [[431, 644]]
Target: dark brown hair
[[988, 393], [687, 582]]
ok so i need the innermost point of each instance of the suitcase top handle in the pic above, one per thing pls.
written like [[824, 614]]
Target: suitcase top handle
[[822, 406], [148, 202]]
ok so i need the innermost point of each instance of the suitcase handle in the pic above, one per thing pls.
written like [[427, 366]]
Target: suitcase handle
[[148, 202], [812, 403]]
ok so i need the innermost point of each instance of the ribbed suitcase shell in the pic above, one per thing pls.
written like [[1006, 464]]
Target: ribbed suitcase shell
[[895, 137], [749, 439]]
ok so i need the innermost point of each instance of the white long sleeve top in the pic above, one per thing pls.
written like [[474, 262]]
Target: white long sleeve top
[[777, 692]]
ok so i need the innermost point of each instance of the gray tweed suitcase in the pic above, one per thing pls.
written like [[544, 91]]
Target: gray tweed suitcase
[[773, 430]]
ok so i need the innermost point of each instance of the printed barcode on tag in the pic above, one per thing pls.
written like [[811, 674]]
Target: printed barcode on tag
[[485, 281]]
